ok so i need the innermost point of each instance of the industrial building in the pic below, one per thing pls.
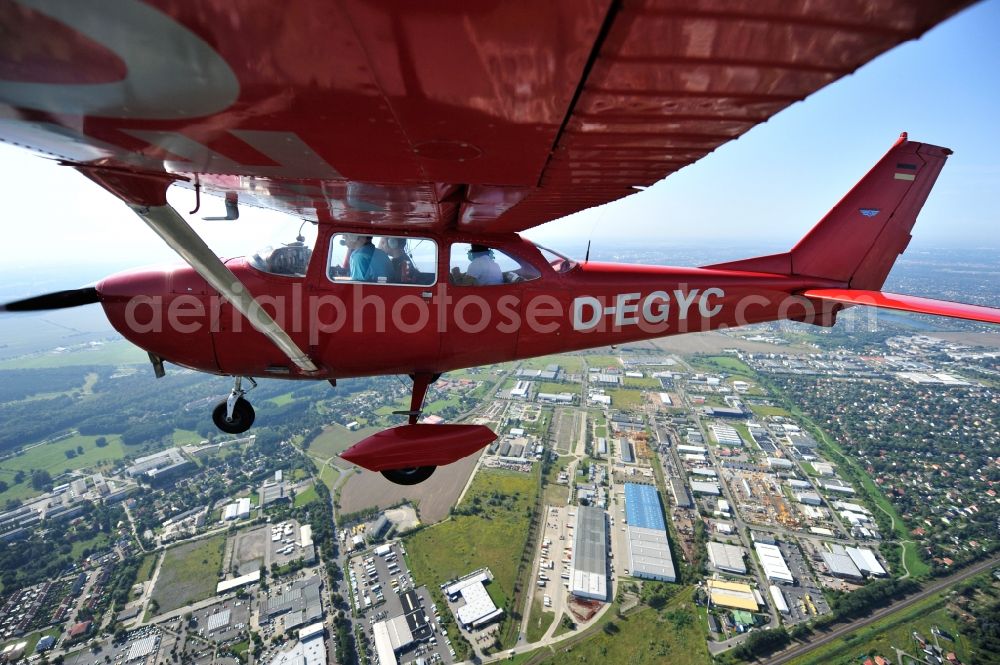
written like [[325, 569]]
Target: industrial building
[[735, 595], [649, 549], [779, 599], [309, 650], [773, 562], [866, 561], [235, 583], [273, 492], [479, 609], [702, 487], [696, 450], [590, 555], [391, 636], [727, 558], [626, 452], [681, 497], [726, 435], [840, 564], [160, 466], [809, 498], [779, 463], [300, 604]]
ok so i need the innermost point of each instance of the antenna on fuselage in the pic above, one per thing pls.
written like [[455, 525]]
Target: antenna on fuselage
[[586, 257]]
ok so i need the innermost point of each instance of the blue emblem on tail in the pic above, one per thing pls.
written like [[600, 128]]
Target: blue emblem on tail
[[869, 212]]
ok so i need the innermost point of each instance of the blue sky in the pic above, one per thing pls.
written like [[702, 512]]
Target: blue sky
[[765, 189]]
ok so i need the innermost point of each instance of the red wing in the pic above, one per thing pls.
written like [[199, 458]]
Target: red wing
[[903, 303], [487, 117]]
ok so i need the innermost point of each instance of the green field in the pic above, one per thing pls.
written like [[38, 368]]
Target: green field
[[539, 621], [52, 456], [494, 536], [32, 639], [189, 573], [673, 635], [145, 571], [118, 352], [306, 497], [764, 411], [335, 439], [283, 399], [893, 631], [567, 363], [625, 399], [329, 477], [550, 387], [646, 383], [809, 469], [185, 437], [603, 361]]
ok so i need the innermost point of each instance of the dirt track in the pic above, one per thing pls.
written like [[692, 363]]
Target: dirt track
[[435, 496]]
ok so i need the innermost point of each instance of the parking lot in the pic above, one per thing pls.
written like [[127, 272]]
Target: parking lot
[[147, 641], [801, 599], [378, 597], [223, 622]]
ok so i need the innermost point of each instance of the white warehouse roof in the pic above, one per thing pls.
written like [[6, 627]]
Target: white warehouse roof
[[773, 562]]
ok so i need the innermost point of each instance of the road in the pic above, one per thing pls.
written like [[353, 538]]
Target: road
[[818, 641]]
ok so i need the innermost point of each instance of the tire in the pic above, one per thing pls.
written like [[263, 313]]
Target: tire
[[410, 476], [243, 415]]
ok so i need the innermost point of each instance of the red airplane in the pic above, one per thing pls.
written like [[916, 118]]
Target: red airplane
[[420, 140]]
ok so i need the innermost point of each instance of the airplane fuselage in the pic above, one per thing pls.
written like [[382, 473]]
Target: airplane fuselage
[[362, 329]]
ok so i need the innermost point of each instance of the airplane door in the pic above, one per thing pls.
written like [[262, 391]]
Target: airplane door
[[485, 300], [375, 311]]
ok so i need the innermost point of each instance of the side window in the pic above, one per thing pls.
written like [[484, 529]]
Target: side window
[[481, 265], [399, 260]]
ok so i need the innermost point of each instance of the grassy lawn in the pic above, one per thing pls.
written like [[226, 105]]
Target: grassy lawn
[[32, 639], [764, 411], [539, 621], [329, 478], [283, 399], [306, 497], [493, 538], [335, 439], [603, 361], [673, 635], [189, 573], [601, 431], [625, 399], [51, 457], [145, 572], [111, 353], [567, 363], [185, 437], [646, 383], [550, 387], [809, 469], [893, 631]]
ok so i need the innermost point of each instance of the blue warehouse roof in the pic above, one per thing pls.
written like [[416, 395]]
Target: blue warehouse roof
[[642, 507]]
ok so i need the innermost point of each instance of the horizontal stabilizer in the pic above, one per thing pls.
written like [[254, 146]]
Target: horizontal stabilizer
[[955, 310]]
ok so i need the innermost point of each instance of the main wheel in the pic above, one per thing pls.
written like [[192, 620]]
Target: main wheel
[[411, 476], [241, 421]]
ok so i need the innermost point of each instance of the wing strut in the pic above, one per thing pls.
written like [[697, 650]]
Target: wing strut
[[146, 195]]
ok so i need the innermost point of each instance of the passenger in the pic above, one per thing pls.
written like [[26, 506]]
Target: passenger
[[483, 267], [367, 263], [403, 270]]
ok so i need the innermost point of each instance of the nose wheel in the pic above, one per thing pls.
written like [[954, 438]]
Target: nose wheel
[[234, 415], [410, 476]]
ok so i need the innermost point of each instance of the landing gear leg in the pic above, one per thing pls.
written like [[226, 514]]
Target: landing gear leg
[[418, 474], [234, 415]]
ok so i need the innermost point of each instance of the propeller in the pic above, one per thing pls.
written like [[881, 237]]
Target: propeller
[[56, 300]]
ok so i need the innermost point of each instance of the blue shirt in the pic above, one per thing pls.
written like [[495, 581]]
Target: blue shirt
[[369, 263]]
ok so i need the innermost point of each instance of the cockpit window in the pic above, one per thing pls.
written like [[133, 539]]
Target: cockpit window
[[481, 265], [400, 260], [558, 262], [287, 260]]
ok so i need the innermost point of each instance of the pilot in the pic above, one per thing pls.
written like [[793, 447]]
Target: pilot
[[483, 267], [403, 270], [367, 263]]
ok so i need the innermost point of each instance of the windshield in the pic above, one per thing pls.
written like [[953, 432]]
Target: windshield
[[289, 259], [559, 262]]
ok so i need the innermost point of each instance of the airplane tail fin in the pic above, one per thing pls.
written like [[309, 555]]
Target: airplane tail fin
[[857, 242]]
